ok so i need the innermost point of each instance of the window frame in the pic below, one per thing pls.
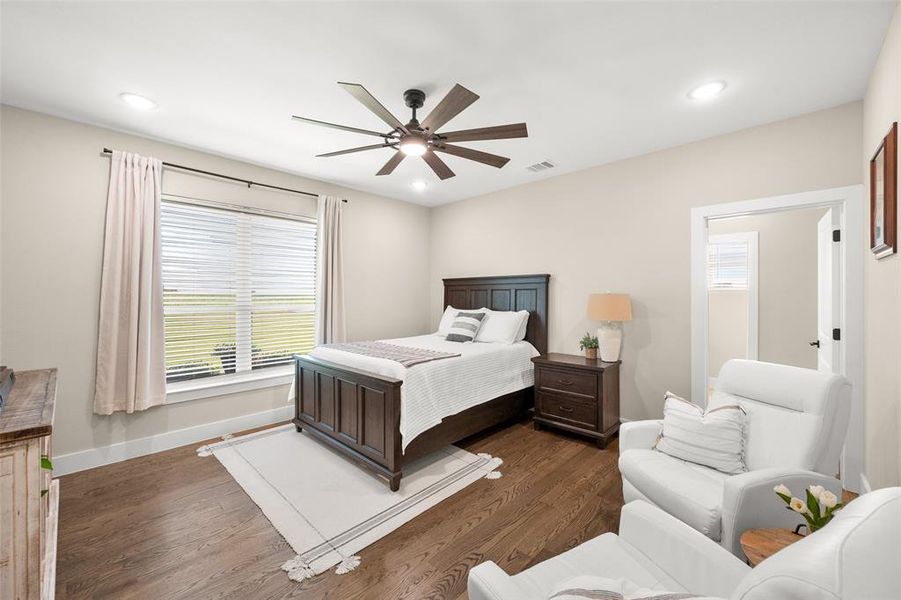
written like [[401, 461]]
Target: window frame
[[242, 381]]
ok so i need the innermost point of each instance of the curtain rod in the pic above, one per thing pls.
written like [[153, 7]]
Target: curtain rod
[[248, 182]]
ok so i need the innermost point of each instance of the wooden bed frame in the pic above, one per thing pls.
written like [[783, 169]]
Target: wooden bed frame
[[358, 413]]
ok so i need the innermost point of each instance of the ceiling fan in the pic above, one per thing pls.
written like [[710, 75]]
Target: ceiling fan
[[423, 139]]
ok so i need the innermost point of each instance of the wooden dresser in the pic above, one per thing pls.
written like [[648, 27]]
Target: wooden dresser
[[577, 394], [28, 515]]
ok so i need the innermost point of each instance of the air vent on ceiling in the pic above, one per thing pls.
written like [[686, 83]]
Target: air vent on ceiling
[[541, 166]]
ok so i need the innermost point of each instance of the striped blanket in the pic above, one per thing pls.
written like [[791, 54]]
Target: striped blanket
[[405, 355]]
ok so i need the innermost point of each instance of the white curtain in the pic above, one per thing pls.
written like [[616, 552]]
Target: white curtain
[[329, 272], [131, 372]]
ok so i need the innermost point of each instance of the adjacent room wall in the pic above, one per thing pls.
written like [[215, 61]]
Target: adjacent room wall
[[727, 326], [787, 284], [624, 227], [882, 406], [54, 185]]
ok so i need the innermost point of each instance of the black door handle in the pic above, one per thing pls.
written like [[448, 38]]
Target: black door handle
[[815, 344]]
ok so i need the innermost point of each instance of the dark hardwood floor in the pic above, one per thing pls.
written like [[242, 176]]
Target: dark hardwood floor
[[174, 525]]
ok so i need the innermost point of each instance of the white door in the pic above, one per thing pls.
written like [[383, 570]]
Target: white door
[[828, 300]]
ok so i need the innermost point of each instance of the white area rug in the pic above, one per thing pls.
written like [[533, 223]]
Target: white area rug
[[325, 506]]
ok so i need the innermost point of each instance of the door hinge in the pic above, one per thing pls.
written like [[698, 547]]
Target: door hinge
[[837, 334], [836, 235]]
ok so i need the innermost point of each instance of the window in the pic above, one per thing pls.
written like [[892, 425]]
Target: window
[[728, 265], [238, 290]]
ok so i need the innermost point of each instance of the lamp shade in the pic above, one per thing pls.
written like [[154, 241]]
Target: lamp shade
[[609, 307]]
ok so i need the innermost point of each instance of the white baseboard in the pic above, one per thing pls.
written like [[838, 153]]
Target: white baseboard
[[105, 455], [865, 487]]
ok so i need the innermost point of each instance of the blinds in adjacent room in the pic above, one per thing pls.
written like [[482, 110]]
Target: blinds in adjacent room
[[727, 265], [238, 289]]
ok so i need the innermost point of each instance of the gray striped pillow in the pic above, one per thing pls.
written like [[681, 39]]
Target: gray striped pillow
[[715, 438], [465, 327]]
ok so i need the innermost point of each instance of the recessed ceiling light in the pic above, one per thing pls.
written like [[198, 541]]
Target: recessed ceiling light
[[418, 185], [706, 91], [137, 101]]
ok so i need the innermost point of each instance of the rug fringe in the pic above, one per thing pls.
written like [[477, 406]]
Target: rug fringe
[[348, 564], [493, 462], [297, 569]]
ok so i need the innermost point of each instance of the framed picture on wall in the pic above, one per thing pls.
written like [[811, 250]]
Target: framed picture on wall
[[884, 196]]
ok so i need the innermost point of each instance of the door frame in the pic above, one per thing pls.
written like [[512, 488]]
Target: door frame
[[848, 201]]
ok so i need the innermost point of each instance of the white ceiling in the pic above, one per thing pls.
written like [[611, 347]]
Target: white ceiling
[[595, 82]]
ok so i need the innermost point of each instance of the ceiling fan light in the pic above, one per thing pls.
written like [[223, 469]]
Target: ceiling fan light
[[413, 147]]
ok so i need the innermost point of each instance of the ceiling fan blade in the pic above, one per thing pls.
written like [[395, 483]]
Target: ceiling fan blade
[[352, 150], [392, 163], [342, 127], [368, 100], [483, 157], [500, 132], [441, 170], [450, 106]]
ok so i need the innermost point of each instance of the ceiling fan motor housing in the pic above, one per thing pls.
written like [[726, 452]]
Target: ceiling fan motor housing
[[414, 98]]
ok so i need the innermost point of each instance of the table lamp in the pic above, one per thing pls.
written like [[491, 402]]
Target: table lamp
[[611, 310]]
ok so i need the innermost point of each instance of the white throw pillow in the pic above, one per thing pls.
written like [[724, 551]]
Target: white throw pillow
[[586, 587], [502, 326], [715, 438]]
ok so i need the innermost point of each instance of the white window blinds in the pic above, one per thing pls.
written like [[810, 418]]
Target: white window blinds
[[727, 265], [238, 290]]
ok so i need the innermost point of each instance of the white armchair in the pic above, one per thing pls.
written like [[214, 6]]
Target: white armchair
[[855, 557], [796, 425]]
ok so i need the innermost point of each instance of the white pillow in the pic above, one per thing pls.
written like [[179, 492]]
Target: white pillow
[[502, 326], [447, 319], [521, 334], [715, 438], [592, 586]]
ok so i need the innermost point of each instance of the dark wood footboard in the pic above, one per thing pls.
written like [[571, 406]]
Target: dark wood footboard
[[355, 412]]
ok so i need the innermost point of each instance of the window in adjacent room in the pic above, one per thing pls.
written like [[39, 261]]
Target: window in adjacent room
[[728, 265], [239, 289]]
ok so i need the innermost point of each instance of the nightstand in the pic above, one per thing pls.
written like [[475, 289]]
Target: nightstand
[[577, 394]]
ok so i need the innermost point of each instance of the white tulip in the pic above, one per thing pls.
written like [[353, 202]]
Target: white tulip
[[782, 489], [828, 499], [816, 490], [798, 505]]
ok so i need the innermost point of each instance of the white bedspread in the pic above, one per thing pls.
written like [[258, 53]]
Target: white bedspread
[[441, 388]]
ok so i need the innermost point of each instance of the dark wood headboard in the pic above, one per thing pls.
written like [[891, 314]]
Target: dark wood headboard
[[505, 292]]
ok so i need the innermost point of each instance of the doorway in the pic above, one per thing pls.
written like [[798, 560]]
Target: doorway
[[780, 280]]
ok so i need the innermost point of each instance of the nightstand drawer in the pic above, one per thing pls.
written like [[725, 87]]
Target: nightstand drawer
[[565, 409], [567, 381]]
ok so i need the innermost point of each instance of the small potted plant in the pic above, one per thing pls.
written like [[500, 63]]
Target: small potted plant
[[589, 344], [818, 510]]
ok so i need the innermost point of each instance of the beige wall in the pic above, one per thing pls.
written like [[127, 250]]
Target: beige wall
[[54, 184], [882, 279], [625, 227], [727, 327], [787, 283]]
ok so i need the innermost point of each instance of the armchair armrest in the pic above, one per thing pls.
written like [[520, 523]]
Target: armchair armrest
[[639, 434], [749, 501], [488, 581], [693, 560]]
